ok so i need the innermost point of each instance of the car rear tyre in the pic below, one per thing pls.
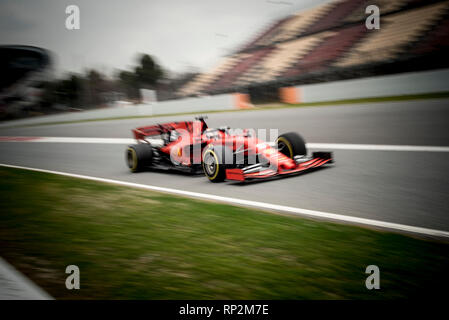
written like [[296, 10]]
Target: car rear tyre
[[291, 144], [139, 156]]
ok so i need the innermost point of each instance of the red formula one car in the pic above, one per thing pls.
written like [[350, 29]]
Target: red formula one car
[[221, 153]]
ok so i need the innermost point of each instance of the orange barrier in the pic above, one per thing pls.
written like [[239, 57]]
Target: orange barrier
[[290, 95], [242, 101]]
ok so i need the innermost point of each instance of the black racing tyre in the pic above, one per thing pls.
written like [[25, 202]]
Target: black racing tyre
[[215, 162], [291, 144], [139, 156]]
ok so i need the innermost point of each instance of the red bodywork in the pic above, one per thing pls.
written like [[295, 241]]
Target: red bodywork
[[195, 135]]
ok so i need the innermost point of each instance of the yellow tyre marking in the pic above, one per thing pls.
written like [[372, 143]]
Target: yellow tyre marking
[[134, 155], [216, 162], [285, 141]]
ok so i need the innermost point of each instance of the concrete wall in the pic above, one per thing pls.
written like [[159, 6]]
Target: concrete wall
[[200, 104], [401, 84], [382, 86]]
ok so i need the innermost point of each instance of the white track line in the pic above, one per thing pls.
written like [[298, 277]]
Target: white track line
[[332, 146], [377, 147], [257, 204], [69, 140], [86, 140], [16, 286]]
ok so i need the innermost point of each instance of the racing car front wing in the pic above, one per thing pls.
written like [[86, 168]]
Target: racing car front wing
[[257, 171]]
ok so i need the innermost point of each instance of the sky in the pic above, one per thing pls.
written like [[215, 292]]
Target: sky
[[182, 35]]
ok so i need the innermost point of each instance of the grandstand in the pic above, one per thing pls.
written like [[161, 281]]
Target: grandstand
[[331, 42], [398, 30], [281, 58]]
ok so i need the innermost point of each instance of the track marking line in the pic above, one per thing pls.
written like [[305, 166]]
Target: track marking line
[[16, 286], [333, 146], [377, 147], [69, 140], [256, 204]]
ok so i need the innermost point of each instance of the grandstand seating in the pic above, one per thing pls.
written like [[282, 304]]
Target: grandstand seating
[[265, 34], [204, 79], [283, 55], [327, 51], [436, 41], [335, 16], [244, 64], [385, 6], [330, 39], [300, 21], [269, 37], [396, 30]]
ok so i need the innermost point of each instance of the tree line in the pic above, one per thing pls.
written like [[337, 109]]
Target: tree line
[[94, 89]]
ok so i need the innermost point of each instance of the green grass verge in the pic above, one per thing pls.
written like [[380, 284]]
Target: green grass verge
[[437, 95], [130, 243]]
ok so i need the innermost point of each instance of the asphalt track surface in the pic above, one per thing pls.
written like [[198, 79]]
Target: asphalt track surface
[[394, 186]]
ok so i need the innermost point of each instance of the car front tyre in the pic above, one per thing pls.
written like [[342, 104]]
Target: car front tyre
[[213, 166], [291, 144]]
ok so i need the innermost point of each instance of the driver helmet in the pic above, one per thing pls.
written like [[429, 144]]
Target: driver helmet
[[174, 135]]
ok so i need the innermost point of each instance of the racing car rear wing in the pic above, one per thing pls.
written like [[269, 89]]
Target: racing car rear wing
[[158, 129], [141, 133]]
